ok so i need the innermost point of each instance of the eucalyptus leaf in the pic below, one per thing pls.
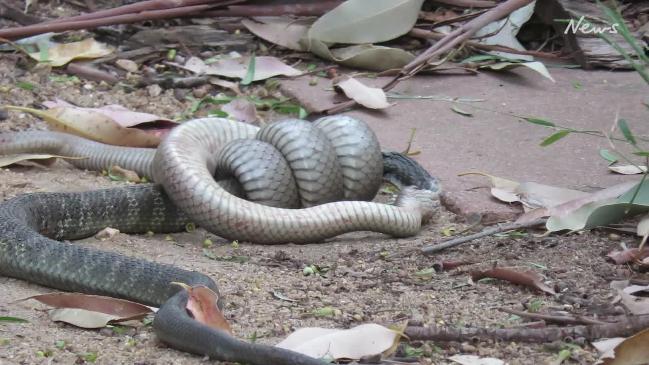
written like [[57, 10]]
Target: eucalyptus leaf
[[365, 56], [357, 22], [534, 65], [608, 155], [538, 121], [554, 137], [604, 212], [626, 131]]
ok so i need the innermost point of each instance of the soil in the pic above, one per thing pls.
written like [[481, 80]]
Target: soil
[[362, 285]]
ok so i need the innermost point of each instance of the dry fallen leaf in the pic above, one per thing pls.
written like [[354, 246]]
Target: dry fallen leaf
[[202, 306], [283, 31], [369, 97], [635, 304], [354, 343], [58, 54], [237, 68], [631, 351], [628, 169], [121, 115], [41, 159], [526, 278], [91, 311], [93, 125], [628, 255], [241, 109]]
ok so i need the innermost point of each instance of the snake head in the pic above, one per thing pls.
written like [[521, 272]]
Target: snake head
[[424, 201]]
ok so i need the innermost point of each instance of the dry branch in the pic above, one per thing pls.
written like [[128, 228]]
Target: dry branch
[[82, 22], [625, 327], [489, 231]]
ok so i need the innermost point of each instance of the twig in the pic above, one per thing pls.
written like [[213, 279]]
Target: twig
[[627, 326], [553, 319], [445, 44], [138, 7], [468, 3], [65, 24], [422, 33], [489, 231], [9, 12], [307, 9]]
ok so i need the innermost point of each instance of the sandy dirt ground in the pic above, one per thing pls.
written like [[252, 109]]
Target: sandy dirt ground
[[361, 284]]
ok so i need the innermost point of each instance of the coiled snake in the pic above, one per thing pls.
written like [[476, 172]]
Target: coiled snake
[[311, 165]]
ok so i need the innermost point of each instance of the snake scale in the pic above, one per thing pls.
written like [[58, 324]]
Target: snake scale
[[309, 165]]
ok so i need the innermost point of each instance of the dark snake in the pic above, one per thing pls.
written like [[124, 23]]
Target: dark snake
[[313, 166]]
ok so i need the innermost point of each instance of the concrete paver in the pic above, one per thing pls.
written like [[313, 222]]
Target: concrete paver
[[497, 143]]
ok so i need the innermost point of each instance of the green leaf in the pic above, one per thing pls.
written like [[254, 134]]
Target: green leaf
[[26, 85], [554, 137], [641, 153], [538, 121], [626, 131], [250, 72], [609, 156], [13, 320]]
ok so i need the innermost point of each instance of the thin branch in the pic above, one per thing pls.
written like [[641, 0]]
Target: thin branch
[[425, 34], [65, 24], [627, 326], [307, 9], [489, 231], [552, 318]]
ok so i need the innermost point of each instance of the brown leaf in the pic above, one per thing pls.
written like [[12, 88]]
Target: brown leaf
[[91, 311], [628, 255], [241, 109], [93, 125], [283, 31], [202, 306], [265, 67], [121, 115], [632, 351], [526, 278]]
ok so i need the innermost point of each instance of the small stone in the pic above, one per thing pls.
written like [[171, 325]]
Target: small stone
[[201, 91], [154, 90], [106, 233], [127, 65]]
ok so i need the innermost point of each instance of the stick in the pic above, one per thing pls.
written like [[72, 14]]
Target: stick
[[306, 9], [425, 34], [553, 319], [65, 24], [489, 231], [627, 326]]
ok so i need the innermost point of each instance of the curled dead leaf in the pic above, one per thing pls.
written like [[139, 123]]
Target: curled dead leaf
[[202, 306], [526, 278]]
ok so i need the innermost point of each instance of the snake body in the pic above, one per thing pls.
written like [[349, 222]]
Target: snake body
[[32, 225]]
